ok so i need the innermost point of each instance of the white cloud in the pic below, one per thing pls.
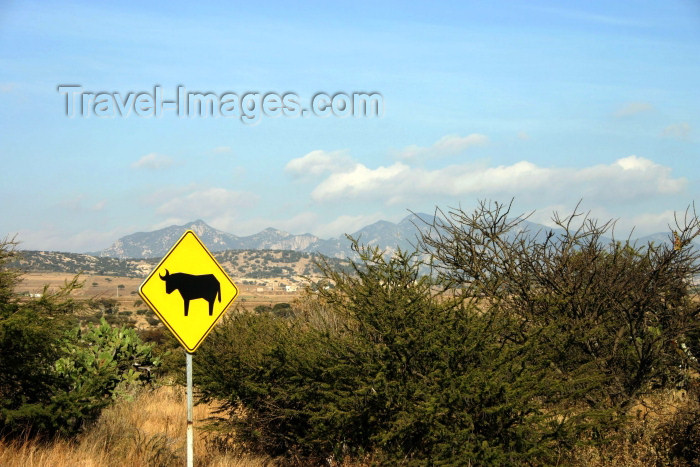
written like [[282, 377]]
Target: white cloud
[[304, 222], [7, 87], [301, 223], [166, 193], [632, 108], [624, 180], [318, 162], [78, 204], [209, 204], [99, 206], [523, 136], [651, 222], [54, 238], [362, 181], [677, 131], [153, 161], [222, 150], [446, 146], [346, 224]]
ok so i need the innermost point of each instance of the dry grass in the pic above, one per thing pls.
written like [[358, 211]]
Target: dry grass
[[639, 443], [150, 431], [147, 431]]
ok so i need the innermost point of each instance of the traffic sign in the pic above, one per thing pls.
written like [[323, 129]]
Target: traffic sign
[[189, 291]]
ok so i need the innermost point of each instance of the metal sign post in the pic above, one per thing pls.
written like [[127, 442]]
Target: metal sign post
[[190, 422]]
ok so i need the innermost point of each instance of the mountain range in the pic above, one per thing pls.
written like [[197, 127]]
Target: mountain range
[[388, 236]]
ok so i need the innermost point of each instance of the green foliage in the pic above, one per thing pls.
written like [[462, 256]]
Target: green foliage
[[153, 320], [83, 372], [607, 314], [55, 377], [29, 335], [447, 387], [105, 305], [97, 366], [108, 354], [516, 348], [282, 310], [381, 366]]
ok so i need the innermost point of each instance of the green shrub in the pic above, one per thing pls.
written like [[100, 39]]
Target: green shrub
[[283, 310], [97, 366], [152, 320], [518, 346], [83, 374], [605, 313], [105, 305], [54, 377], [383, 367], [262, 309]]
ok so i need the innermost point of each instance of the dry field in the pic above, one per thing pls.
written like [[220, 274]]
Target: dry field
[[97, 287], [150, 430], [146, 431]]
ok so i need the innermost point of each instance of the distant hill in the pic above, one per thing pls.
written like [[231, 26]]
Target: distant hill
[[73, 263], [242, 264], [386, 235]]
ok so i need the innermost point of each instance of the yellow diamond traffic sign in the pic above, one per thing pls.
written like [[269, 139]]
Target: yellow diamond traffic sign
[[189, 291]]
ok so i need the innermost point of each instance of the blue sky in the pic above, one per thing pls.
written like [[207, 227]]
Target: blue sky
[[547, 102]]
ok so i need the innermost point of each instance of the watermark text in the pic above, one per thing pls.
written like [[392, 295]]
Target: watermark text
[[249, 107]]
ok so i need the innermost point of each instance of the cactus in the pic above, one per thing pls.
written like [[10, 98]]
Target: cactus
[[98, 365]]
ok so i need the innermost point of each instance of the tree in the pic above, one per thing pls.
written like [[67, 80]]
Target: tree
[[514, 348], [380, 363], [30, 334], [607, 312]]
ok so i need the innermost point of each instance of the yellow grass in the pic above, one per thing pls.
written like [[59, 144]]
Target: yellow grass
[[635, 446], [150, 431], [147, 431]]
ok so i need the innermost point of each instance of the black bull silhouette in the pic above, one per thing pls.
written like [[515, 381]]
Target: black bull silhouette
[[191, 287]]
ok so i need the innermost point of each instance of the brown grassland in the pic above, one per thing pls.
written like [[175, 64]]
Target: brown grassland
[[147, 430]]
